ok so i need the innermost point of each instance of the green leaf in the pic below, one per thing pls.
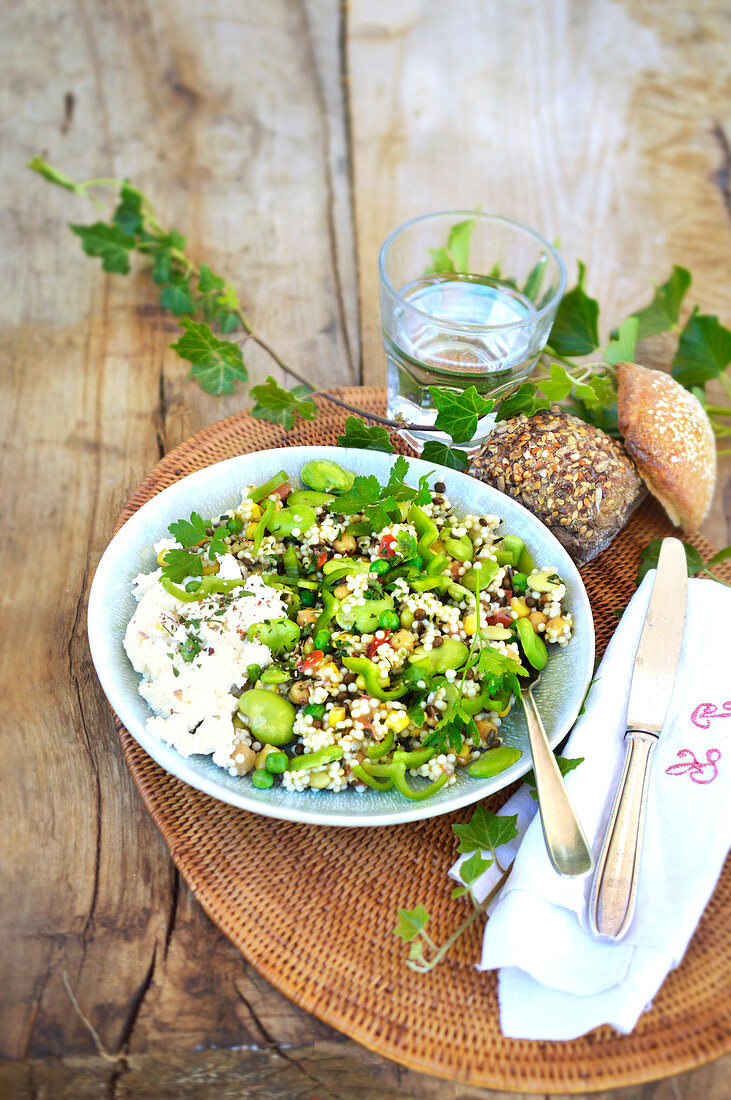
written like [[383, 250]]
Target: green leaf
[[565, 765], [368, 497], [179, 564], [498, 671], [458, 244], [37, 164], [558, 386], [128, 214], [473, 868], [398, 473], [525, 400], [650, 555], [576, 328], [458, 892], [621, 348], [281, 406], [411, 922], [722, 555], [177, 298], [162, 267], [664, 309], [109, 242], [441, 262], [207, 281], [368, 437], [215, 364], [459, 411], [485, 831], [188, 532], [704, 350], [535, 278], [451, 457]]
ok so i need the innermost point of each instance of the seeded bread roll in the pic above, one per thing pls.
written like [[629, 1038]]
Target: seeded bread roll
[[572, 476], [667, 433]]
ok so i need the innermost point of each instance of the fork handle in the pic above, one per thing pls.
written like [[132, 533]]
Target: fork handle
[[565, 841], [612, 902]]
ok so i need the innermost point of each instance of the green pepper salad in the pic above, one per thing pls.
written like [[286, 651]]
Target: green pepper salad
[[390, 633]]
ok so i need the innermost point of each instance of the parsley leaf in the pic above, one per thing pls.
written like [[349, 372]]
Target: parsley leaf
[[454, 726], [411, 922], [368, 437], [188, 532], [109, 242], [621, 347], [216, 364], [407, 544], [704, 350], [499, 672], [179, 564], [575, 330], [664, 309], [366, 496], [459, 411], [218, 544], [398, 473], [281, 406], [565, 765], [485, 831]]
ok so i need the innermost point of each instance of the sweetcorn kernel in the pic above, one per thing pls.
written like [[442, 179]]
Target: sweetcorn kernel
[[251, 531], [336, 715], [255, 511], [397, 721], [519, 606], [469, 624]]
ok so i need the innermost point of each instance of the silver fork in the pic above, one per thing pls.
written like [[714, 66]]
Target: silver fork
[[565, 841]]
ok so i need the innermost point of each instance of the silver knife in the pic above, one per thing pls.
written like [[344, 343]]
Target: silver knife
[[612, 901]]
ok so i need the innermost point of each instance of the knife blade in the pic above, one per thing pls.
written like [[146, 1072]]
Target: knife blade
[[612, 901]]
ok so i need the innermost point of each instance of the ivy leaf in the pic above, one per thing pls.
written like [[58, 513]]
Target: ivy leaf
[[177, 297], [575, 330], [525, 400], [534, 280], [459, 411], [458, 892], [704, 350], [474, 867], [650, 555], [558, 386], [621, 348], [109, 242], [411, 922], [128, 214], [565, 765], [179, 564], [188, 532], [485, 831], [162, 267], [281, 406], [722, 555], [458, 244], [451, 457], [368, 437], [207, 281], [37, 164], [441, 262], [215, 364], [664, 309]]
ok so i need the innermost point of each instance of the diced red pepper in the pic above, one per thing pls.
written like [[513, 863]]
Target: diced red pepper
[[500, 618], [388, 546], [282, 491], [311, 660], [322, 558], [371, 651]]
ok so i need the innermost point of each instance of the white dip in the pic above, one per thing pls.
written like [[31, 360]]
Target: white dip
[[192, 699]]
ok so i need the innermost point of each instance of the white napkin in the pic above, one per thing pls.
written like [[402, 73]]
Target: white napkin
[[556, 981]]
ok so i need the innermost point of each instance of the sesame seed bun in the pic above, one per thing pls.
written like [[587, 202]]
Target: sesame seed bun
[[667, 433]]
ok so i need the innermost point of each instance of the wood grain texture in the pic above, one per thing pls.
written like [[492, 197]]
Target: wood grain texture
[[601, 122]]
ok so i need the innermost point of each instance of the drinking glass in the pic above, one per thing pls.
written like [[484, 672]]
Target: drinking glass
[[467, 299]]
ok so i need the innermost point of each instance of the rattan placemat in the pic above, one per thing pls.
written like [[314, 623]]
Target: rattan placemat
[[313, 908]]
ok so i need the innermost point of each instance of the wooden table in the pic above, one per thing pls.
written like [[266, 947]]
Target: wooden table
[[285, 139]]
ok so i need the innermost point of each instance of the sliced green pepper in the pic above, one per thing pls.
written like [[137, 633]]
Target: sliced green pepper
[[330, 606], [415, 758], [427, 584], [438, 563], [370, 780], [207, 587], [510, 551], [291, 562], [375, 752], [397, 772], [365, 668], [311, 760], [261, 527], [269, 486]]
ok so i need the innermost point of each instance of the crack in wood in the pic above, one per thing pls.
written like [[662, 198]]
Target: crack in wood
[[722, 175], [69, 103], [172, 915], [162, 412], [344, 74]]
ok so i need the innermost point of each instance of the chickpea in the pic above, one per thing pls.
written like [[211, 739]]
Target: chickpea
[[345, 544], [248, 758], [403, 639], [299, 692], [518, 605], [556, 625], [307, 615], [261, 758], [341, 592], [537, 618], [486, 729]]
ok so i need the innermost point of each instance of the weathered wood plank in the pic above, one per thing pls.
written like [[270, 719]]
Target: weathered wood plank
[[602, 124]]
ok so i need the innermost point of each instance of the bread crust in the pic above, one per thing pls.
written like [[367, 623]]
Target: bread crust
[[667, 433]]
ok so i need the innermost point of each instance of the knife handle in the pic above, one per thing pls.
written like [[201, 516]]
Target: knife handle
[[612, 902]]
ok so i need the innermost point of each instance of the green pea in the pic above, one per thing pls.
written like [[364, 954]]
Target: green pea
[[235, 524], [276, 762], [389, 620], [520, 582], [325, 476], [321, 640], [298, 518], [270, 717], [532, 644], [253, 672], [312, 500], [316, 759], [315, 710], [308, 597], [451, 654], [494, 761], [280, 635], [262, 779], [379, 567]]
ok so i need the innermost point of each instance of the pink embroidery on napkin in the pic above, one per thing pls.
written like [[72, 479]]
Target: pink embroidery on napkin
[[695, 768], [705, 711]]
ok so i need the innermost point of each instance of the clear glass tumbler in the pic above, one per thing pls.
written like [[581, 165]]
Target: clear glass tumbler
[[467, 299]]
